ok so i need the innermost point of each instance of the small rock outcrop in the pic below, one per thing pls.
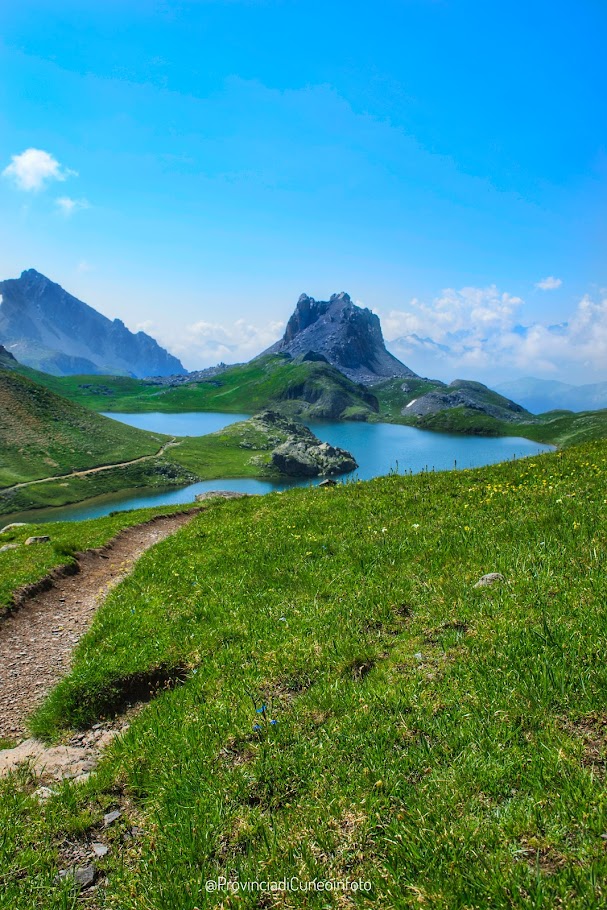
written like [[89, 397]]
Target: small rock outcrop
[[342, 333], [475, 396], [302, 458], [294, 450], [218, 494], [7, 360], [9, 546], [13, 525]]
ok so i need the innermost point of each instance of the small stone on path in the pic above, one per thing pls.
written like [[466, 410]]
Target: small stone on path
[[83, 876], [99, 849], [110, 817]]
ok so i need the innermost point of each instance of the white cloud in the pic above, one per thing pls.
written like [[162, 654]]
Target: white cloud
[[473, 311], [34, 168], [481, 329], [207, 343], [549, 284], [67, 206]]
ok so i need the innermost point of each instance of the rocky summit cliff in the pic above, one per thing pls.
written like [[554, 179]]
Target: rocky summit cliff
[[46, 328], [348, 336]]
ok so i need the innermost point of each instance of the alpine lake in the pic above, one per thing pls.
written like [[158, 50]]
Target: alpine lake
[[379, 448]]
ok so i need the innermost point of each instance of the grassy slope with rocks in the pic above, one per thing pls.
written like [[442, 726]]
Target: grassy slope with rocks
[[154, 475], [246, 448], [558, 427], [310, 389], [278, 383], [446, 743]]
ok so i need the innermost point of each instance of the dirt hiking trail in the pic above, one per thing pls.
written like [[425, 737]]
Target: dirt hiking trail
[[103, 467], [37, 639]]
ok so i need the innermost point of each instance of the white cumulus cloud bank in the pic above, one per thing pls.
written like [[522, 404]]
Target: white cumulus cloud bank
[[476, 332], [549, 284], [34, 168], [207, 343]]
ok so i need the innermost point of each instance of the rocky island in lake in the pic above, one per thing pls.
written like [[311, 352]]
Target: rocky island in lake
[[292, 449]]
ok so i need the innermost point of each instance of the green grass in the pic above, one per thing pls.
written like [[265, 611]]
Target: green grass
[[153, 475], [312, 388], [27, 565], [445, 743], [239, 450], [44, 435]]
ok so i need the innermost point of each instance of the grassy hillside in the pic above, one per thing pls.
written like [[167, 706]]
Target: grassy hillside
[[556, 427], [242, 449], [42, 434], [311, 389], [444, 743], [397, 397], [316, 390], [155, 475], [562, 428]]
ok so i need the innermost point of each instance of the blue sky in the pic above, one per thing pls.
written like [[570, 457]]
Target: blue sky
[[206, 162]]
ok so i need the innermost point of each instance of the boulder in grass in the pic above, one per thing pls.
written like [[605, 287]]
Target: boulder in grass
[[219, 494], [491, 578], [42, 538]]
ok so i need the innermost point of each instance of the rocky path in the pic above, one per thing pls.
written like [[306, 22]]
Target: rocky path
[[104, 467], [36, 641]]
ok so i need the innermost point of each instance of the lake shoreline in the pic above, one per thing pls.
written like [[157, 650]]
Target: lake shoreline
[[380, 448]]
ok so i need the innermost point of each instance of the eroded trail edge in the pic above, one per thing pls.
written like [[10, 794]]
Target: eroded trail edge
[[37, 639]]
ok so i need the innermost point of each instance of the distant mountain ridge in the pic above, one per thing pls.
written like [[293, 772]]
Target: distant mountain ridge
[[346, 335], [47, 328], [540, 395]]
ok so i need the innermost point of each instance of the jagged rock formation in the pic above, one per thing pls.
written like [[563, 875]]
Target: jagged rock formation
[[50, 330], [347, 336], [463, 393]]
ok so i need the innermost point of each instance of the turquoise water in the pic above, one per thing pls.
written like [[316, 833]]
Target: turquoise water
[[379, 448]]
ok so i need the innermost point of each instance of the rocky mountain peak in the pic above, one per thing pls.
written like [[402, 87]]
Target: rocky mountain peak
[[51, 330], [348, 336]]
